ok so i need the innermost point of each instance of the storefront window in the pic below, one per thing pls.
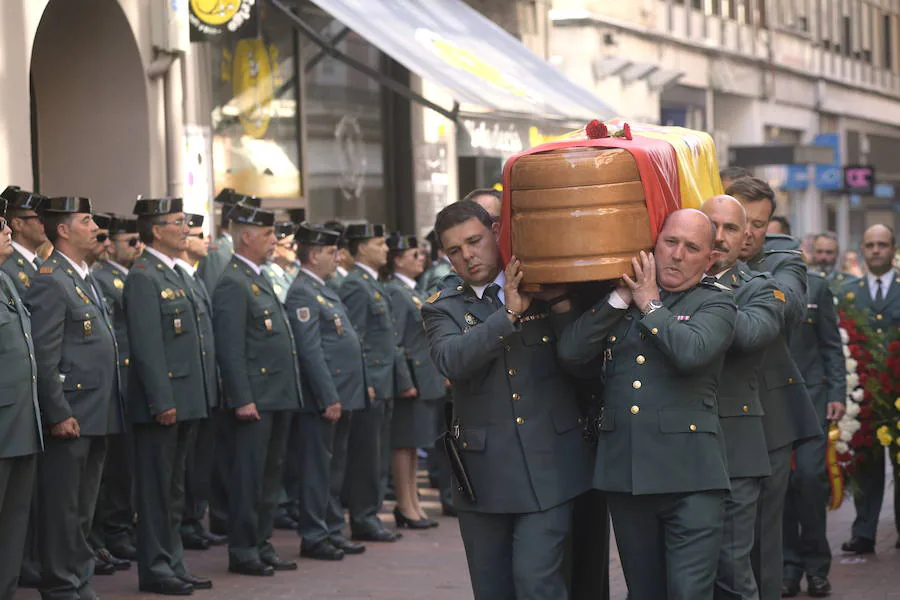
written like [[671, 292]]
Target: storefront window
[[344, 132], [254, 99]]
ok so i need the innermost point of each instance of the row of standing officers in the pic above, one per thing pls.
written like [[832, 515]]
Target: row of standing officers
[[154, 368]]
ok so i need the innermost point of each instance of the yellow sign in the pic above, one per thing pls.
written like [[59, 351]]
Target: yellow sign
[[253, 72], [212, 17]]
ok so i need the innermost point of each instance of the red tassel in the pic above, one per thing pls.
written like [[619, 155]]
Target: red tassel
[[627, 130]]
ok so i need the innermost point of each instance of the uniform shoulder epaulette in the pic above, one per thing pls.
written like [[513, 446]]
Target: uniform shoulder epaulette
[[713, 284], [46, 269], [770, 251], [748, 275], [448, 292]]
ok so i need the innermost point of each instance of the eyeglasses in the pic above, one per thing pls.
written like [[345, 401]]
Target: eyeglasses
[[199, 236], [176, 223], [2, 223], [133, 242], [102, 237]]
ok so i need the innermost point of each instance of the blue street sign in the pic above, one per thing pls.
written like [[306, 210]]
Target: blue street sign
[[830, 177], [884, 190], [796, 178]]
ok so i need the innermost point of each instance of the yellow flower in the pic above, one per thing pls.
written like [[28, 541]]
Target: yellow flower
[[884, 435], [897, 403], [850, 296]]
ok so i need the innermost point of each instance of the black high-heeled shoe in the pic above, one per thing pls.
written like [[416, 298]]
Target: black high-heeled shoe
[[404, 521]]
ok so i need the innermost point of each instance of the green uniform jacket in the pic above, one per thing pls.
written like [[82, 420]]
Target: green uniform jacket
[[406, 304], [21, 271], [336, 281], [370, 313], [330, 351], [519, 423], [759, 321], [254, 342], [837, 280], [279, 279], [430, 281], [789, 413], [204, 310], [211, 267], [111, 280], [20, 417], [816, 346], [659, 431], [75, 347], [884, 316], [166, 350]]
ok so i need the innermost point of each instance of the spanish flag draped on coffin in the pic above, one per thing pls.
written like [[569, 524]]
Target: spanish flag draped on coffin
[[577, 209]]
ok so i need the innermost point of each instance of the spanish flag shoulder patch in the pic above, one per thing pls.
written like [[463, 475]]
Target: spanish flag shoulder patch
[[434, 297], [779, 295], [46, 270]]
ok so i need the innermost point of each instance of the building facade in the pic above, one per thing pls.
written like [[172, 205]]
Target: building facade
[[754, 73]]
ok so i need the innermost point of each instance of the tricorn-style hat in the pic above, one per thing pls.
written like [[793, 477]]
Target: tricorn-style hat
[[102, 220], [151, 207], [194, 220], [251, 215], [316, 235], [284, 229], [363, 231], [16, 197], [66, 204], [401, 241], [296, 215], [122, 225], [229, 196]]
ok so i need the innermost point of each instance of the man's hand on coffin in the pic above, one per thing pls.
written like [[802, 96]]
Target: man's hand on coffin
[[644, 287], [516, 301]]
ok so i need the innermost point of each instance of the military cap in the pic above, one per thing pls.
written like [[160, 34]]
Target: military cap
[[296, 215], [194, 220], [66, 204], [229, 197], [316, 235], [251, 215], [284, 229], [102, 220], [150, 207], [16, 197], [363, 231], [122, 225], [400, 241]]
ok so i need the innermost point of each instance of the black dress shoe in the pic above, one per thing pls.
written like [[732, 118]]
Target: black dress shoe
[[252, 567], [194, 541], [790, 588], [120, 564], [124, 550], [279, 564], [213, 538], [324, 550], [859, 545], [404, 521], [379, 535], [342, 543], [817, 587], [199, 583], [167, 587], [101, 567], [284, 521]]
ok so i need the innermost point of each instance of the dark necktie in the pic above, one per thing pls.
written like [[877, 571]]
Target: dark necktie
[[90, 281], [879, 293], [37, 262], [492, 293]]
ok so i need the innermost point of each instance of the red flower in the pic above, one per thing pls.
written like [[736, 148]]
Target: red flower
[[596, 130], [894, 348]]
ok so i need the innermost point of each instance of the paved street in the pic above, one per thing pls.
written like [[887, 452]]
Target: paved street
[[432, 565]]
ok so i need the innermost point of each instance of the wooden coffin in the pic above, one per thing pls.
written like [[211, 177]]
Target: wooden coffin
[[577, 214]]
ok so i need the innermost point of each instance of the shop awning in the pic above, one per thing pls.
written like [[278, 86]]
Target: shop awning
[[482, 66]]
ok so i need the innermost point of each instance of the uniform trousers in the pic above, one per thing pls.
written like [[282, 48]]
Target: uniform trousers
[[517, 556], [314, 440], [339, 457], [589, 548], [806, 549], [259, 448], [69, 473], [735, 579], [365, 482], [221, 472], [198, 474], [160, 454], [668, 543], [114, 515], [768, 554], [17, 475], [870, 497]]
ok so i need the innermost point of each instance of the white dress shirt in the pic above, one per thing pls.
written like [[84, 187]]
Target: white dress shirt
[[885, 278]]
